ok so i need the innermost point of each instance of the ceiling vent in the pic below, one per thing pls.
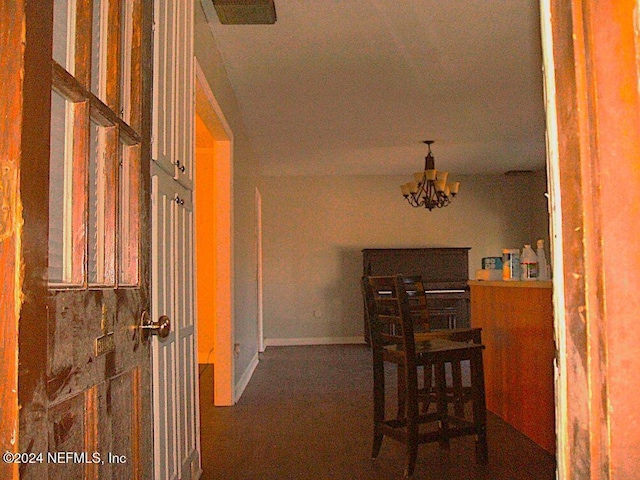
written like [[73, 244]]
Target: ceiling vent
[[245, 12]]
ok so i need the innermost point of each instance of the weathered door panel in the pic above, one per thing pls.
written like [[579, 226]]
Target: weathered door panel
[[98, 404], [84, 370], [11, 79], [593, 117]]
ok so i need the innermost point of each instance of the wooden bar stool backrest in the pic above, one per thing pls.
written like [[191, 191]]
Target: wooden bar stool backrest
[[417, 300], [385, 299]]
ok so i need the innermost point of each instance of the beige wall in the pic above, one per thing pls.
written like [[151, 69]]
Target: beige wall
[[315, 229]]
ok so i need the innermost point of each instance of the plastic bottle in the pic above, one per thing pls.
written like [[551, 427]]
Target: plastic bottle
[[510, 264], [543, 266], [528, 264]]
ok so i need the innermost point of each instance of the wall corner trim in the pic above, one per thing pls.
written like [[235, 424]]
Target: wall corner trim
[[245, 378]]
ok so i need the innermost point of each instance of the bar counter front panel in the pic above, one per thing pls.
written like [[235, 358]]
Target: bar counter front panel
[[517, 330]]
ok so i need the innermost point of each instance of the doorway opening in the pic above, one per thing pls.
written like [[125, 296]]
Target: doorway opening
[[214, 271]]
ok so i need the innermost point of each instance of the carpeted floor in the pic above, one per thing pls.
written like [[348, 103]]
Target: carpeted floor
[[307, 414]]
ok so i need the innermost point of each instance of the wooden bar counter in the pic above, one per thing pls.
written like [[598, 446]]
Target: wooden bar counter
[[517, 330]]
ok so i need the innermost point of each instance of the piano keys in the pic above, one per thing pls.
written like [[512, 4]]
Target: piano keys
[[444, 271]]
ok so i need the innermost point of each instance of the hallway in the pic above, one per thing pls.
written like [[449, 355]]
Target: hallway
[[307, 414]]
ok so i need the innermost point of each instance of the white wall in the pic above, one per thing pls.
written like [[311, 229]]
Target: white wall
[[245, 169], [315, 228]]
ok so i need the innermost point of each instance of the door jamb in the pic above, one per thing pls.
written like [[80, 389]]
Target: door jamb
[[261, 346], [223, 358]]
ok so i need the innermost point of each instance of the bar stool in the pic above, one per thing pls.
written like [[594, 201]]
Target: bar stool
[[391, 328], [422, 314]]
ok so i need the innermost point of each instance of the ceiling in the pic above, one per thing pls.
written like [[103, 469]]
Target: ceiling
[[354, 87]]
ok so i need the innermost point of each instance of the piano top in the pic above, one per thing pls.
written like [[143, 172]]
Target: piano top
[[444, 268]]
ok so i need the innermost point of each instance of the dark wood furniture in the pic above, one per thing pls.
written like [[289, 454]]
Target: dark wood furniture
[[517, 325], [393, 340], [457, 393], [445, 272]]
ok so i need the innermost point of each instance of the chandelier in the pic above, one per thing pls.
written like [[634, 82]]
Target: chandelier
[[430, 188]]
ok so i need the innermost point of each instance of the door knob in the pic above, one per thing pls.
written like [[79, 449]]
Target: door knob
[[162, 327]]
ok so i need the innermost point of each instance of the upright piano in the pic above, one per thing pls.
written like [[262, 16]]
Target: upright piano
[[445, 272]]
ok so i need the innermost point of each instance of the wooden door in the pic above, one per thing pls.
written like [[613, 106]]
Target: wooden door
[[11, 105], [164, 208], [173, 126], [176, 431], [175, 400], [84, 377], [592, 75]]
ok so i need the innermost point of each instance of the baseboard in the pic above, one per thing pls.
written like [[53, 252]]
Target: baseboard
[[245, 378], [286, 342]]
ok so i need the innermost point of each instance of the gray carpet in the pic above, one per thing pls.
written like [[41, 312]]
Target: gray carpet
[[307, 414]]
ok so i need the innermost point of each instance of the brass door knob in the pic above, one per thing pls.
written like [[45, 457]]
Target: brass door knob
[[161, 328]]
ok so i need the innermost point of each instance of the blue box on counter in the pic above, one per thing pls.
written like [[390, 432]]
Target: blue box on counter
[[492, 263]]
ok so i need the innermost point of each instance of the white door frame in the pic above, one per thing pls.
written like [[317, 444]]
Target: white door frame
[[223, 358]]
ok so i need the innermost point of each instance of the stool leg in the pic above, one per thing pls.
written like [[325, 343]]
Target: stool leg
[[427, 376], [479, 408], [441, 404], [412, 446], [402, 388], [413, 423], [377, 440], [458, 400], [378, 405]]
